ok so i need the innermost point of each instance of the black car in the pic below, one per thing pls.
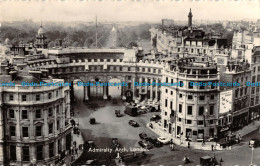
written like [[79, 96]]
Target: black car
[[155, 142], [145, 144], [155, 118], [115, 143], [90, 144], [143, 135], [253, 143], [133, 123]]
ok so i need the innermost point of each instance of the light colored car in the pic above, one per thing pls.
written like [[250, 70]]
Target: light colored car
[[163, 140]]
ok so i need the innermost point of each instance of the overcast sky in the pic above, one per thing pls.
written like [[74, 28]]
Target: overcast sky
[[127, 10]]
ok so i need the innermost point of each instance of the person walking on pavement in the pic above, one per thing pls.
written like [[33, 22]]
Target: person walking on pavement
[[188, 144]]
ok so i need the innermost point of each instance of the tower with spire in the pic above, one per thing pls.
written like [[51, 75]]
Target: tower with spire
[[190, 19]]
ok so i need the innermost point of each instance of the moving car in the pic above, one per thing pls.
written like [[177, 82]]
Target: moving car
[[133, 123], [143, 135], [163, 140], [115, 143], [145, 144], [155, 118], [253, 143]]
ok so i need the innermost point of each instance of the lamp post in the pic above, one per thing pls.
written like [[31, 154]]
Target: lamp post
[[252, 156]]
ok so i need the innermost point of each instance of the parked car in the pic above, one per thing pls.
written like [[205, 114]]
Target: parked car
[[155, 118], [143, 135], [92, 120], [155, 142], [90, 144], [163, 140], [133, 123], [145, 144], [115, 143], [253, 143], [118, 113]]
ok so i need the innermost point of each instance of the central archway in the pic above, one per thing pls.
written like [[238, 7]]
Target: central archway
[[115, 92]]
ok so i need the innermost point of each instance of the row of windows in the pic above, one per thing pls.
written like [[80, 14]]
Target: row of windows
[[38, 113], [202, 110], [26, 152], [38, 130], [37, 96], [190, 97], [199, 122]]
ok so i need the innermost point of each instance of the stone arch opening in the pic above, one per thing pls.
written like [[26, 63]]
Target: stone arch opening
[[115, 92]]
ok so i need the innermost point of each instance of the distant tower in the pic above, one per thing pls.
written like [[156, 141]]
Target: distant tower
[[41, 39], [190, 19], [113, 34]]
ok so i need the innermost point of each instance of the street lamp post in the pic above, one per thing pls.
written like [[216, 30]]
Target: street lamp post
[[252, 156]]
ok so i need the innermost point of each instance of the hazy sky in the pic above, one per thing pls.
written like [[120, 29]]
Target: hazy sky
[[128, 10]]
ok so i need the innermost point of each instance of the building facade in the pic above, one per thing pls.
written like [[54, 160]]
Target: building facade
[[35, 124]]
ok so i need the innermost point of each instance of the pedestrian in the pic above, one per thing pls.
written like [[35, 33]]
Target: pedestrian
[[212, 147], [76, 151], [188, 144]]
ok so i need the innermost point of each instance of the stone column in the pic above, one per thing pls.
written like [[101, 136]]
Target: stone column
[[156, 90], [32, 126], [18, 153], [123, 89], [18, 127], [140, 87], [86, 93], [151, 90], [105, 89], [133, 87], [45, 123]]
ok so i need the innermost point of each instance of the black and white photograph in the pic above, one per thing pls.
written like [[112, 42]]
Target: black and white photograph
[[130, 82]]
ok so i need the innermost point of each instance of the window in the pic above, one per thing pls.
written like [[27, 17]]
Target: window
[[171, 92], [201, 110], [188, 121], [38, 131], [129, 69], [202, 97], [12, 152], [38, 113], [24, 114], [212, 97], [180, 108], [58, 109], [179, 119], [143, 69], [23, 97], [51, 150], [189, 110], [200, 122], [166, 102], [120, 68], [166, 79], [57, 93], [171, 105], [11, 97], [58, 124], [11, 113], [211, 110], [38, 98], [190, 85], [180, 95], [181, 83], [49, 96], [165, 113], [50, 112], [39, 152], [190, 97], [50, 128], [114, 60], [12, 131], [25, 132], [166, 90], [26, 153], [211, 121]]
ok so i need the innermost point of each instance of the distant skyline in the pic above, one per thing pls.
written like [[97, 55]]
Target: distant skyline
[[142, 11]]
